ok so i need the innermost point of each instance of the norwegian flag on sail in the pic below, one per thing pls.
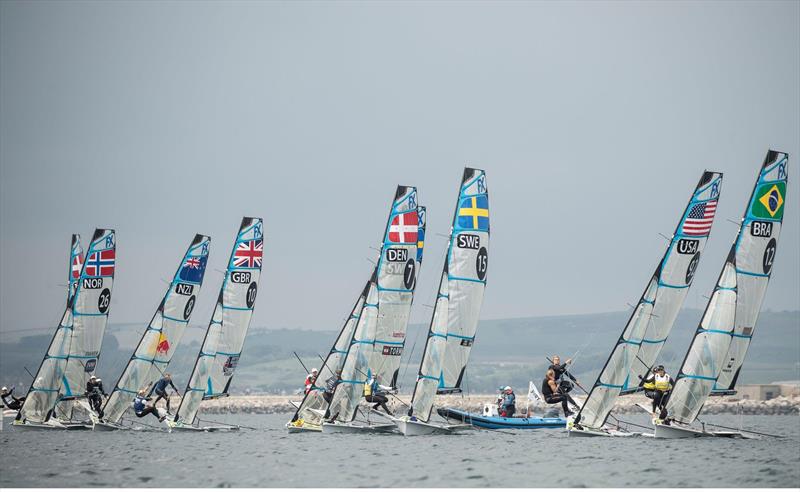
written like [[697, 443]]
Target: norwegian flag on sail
[[700, 219], [77, 264], [404, 228], [248, 254], [101, 263]]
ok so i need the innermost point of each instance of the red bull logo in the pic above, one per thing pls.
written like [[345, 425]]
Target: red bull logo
[[163, 346]]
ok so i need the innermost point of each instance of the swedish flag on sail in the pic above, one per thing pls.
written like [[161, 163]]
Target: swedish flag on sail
[[474, 213]]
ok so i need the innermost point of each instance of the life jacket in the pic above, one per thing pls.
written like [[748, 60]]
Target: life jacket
[[649, 384], [368, 390], [662, 382], [139, 404]]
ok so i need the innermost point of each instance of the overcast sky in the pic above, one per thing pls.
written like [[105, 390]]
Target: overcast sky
[[593, 120]]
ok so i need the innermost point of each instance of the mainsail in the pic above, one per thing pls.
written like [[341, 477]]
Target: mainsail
[[655, 313], [727, 325], [224, 340], [75, 266], [459, 298], [73, 351], [163, 334], [379, 337]]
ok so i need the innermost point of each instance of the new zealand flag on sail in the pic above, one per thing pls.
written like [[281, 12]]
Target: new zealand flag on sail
[[193, 269], [473, 213]]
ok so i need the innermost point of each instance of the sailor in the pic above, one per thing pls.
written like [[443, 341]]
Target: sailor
[[330, 386], [95, 393], [311, 379], [657, 386], [564, 383], [553, 393], [160, 389], [374, 392], [509, 402], [9, 400], [141, 408]]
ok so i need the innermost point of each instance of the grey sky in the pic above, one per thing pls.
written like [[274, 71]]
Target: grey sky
[[593, 120]]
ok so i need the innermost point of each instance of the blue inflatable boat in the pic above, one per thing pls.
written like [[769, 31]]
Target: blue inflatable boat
[[502, 422]]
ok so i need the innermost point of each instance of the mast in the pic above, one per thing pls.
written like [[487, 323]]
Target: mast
[[75, 266], [224, 338], [164, 332], [728, 322], [658, 306], [379, 336], [459, 297]]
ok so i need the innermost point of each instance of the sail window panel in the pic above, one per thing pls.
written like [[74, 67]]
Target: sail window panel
[[750, 291], [688, 398], [464, 309], [595, 412]]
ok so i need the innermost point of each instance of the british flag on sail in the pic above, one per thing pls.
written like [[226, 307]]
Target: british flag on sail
[[700, 219], [101, 263], [77, 264], [404, 228], [248, 254]]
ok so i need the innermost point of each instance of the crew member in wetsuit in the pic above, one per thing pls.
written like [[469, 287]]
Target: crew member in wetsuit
[[141, 409], [565, 384], [160, 389], [509, 403], [330, 386], [552, 393], [95, 394], [657, 387], [9, 400], [374, 392]]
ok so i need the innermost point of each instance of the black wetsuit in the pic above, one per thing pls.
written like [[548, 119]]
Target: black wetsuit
[[95, 393], [552, 398], [564, 384], [141, 409], [330, 387], [160, 389], [12, 402]]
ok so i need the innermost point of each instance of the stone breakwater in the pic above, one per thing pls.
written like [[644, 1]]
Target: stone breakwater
[[263, 404]]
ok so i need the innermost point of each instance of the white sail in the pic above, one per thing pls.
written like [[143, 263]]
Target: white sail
[[380, 332], [397, 278], [458, 301], [75, 266], [72, 354], [224, 340], [656, 310], [163, 335], [731, 314], [314, 405]]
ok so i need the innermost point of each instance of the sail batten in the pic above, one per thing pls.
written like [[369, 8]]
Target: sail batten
[[652, 318], [720, 343]]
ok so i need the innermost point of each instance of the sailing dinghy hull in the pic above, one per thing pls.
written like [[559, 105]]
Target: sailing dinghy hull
[[418, 428], [677, 431], [502, 422], [351, 428], [36, 426]]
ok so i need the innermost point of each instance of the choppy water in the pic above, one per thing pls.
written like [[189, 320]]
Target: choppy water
[[269, 457]]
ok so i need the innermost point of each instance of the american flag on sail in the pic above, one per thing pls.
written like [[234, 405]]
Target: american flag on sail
[[248, 254], [700, 219], [404, 228], [101, 263], [77, 264]]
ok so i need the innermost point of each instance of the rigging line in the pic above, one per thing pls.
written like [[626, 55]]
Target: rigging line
[[225, 423], [301, 363], [410, 355], [628, 423], [742, 430]]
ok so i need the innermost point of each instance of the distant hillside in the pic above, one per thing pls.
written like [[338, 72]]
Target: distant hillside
[[508, 351]]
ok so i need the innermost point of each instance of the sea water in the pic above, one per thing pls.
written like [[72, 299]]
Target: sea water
[[270, 457]]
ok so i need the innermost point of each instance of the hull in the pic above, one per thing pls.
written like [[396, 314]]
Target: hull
[[676, 431], [298, 429], [26, 426], [107, 427], [350, 428], [502, 422], [208, 428], [416, 428]]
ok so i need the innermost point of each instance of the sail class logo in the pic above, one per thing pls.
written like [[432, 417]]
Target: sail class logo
[[474, 213], [770, 201], [162, 344]]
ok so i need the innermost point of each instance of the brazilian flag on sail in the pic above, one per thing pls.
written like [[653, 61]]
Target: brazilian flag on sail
[[768, 203]]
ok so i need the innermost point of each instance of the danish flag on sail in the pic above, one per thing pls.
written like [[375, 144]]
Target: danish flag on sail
[[404, 228], [248, 254], [77, 264], [101, 263]]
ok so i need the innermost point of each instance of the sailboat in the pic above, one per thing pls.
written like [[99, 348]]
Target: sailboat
[[379, 335], [161, 337], [222, 346], [726, 328], [651, 320], [455, 314], [75, 347]]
